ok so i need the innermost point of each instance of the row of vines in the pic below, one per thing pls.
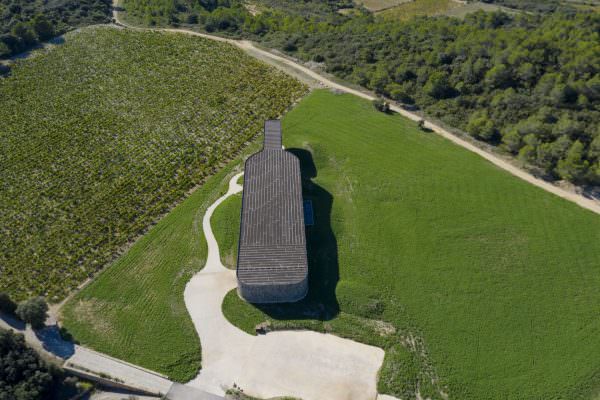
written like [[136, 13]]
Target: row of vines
[[102, 134]]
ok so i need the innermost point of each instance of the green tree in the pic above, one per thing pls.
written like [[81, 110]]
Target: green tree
[[549, 153], [527, 73], [563, 94], [24, 32], [481, 126], [398, 93], [498, 77], [512, 140], [43, 28], [594, 151], [23, 374], [527, 153], [33, 311], [437, 86], [6, 304], [573, 167], [379, 80], [4, 50]]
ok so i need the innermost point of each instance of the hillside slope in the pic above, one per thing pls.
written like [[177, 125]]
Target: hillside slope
[[460, 271], [102, 134]]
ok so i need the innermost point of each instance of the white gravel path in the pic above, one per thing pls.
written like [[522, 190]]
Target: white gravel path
[[303, 364]]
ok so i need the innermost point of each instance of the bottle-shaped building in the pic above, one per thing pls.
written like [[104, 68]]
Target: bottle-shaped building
[[272, 265]]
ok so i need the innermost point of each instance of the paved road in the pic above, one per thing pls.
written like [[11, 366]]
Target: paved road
[[49, 342], [303, 364], [283, 62]]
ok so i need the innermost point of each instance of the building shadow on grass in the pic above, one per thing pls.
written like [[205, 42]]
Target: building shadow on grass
[[323, 270], [53, 342]]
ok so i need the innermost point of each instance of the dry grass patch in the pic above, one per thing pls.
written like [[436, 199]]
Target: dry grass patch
[[379, 5]]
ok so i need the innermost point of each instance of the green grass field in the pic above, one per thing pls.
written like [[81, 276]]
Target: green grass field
[[464, 274], [450, 8], [102, 134], [134, 310], [226, 227], [378, 5], [420, 8]]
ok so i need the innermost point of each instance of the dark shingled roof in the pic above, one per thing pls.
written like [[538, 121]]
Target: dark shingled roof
[[272, 246], [272, 135]]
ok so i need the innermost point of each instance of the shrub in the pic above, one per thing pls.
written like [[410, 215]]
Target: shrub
[[43, 28], [573, 167], [381, 105], [24, 376], [33, 311], [481, 126], [6, 304], [438, 87]]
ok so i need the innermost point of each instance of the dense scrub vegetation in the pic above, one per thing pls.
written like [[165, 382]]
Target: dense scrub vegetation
[[102, 134], [528, 83], [25, 376], [26, 23], [412, 251]]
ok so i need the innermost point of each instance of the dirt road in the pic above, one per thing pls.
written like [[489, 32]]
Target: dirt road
[[290, 66]]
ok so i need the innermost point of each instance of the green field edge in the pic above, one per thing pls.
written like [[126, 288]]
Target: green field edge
[[196, 203], [408, 366]]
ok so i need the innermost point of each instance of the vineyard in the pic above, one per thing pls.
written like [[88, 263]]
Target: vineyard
[[102, 134]]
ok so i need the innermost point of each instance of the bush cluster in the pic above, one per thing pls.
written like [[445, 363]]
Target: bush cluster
[[26, 376], [24, 24], [33, 311]]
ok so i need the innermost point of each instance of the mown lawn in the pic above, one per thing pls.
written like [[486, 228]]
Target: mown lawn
[[135, 309], [226, 227], [464, 274]]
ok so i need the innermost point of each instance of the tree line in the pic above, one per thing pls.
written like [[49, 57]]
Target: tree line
[[528, 83], [33, 311], [24, 375], [24, 24]]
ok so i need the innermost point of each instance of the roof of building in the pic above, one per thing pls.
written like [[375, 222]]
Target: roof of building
[[272, 235], [272, 135]]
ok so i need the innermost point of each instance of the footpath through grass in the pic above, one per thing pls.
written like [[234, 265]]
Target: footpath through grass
[[135, 309], [466, 275]]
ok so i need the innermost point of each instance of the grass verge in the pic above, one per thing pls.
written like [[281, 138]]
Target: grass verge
[[476, 283], [226, 227], [135, 310]]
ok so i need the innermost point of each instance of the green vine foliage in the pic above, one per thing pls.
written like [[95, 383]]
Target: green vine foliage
[[103, 134]]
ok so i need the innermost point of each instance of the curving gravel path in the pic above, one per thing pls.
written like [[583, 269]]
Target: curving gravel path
[[303, 364]]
